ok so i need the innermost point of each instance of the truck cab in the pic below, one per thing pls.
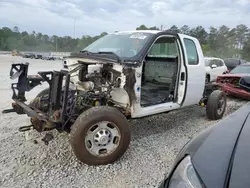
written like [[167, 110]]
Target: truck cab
[[168, 69]]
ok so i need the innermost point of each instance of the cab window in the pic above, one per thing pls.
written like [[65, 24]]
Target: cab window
[[164, 47], [192, 54]]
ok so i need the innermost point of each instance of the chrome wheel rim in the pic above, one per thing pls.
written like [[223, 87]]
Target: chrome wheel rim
[[102, 138]]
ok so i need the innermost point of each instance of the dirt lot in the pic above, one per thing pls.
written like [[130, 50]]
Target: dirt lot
[[156, 140]]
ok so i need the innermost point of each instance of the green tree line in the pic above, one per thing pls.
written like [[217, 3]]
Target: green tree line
[[221, 42], [11, 39]]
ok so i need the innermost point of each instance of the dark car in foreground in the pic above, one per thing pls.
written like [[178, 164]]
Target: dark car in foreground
[[229, 82], [217, 158]]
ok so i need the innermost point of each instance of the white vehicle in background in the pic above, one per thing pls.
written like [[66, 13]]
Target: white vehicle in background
[[214, 67]]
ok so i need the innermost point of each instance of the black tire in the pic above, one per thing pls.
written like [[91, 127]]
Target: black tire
[[88, 119], [215, 109], [42, 94]]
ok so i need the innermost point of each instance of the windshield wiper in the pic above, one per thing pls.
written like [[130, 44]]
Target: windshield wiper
[[110, 53], [84, 51], [102, 53]]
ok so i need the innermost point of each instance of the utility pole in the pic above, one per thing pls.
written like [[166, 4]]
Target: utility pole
[[56, 43], [161, 27], [74, 27]]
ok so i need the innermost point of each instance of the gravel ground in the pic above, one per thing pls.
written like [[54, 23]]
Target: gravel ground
[[156, 141]]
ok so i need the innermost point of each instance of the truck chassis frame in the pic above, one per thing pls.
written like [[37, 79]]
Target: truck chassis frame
[[58, 99], [57, 108]]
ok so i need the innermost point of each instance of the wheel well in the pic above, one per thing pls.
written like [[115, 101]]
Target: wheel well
[[208, 77]]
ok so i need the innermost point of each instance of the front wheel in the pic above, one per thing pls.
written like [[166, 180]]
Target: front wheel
[[41, 101], [216, 105], [100, 135]]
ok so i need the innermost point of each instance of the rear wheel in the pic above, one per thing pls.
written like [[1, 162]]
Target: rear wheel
[[216, 105], [100, 135]]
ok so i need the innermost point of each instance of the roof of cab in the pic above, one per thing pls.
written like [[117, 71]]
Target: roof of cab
[[151, 31], [154, 32], [140, 31]]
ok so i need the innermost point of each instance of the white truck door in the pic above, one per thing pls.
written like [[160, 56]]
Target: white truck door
[[195, 70]]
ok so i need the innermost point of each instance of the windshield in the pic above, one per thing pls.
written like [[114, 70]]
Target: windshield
[[125, 45], [241, 69]]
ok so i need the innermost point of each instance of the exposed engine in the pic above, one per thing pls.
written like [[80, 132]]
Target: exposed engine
[[101, 80], [96, 84]]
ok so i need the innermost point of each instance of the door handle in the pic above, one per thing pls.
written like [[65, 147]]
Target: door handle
[[182, 76]]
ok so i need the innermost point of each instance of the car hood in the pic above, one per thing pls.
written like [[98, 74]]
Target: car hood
[[228, 75], [212, 149]]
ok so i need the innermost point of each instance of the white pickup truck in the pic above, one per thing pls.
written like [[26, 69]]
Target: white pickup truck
[[122, 75]]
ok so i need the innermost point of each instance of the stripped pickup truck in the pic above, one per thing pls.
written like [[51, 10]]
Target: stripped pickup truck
[[120, 76]]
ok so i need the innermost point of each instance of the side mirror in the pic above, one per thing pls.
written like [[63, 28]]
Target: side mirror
[[213, 66]]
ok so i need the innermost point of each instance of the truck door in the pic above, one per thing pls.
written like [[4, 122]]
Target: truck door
[[195, 70]]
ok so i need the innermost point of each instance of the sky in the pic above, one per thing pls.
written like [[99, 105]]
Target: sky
[[91, 17]]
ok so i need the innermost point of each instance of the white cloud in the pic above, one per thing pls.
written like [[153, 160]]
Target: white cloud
[[96, 16], [243, 2], [159, 8], [137, 13]]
